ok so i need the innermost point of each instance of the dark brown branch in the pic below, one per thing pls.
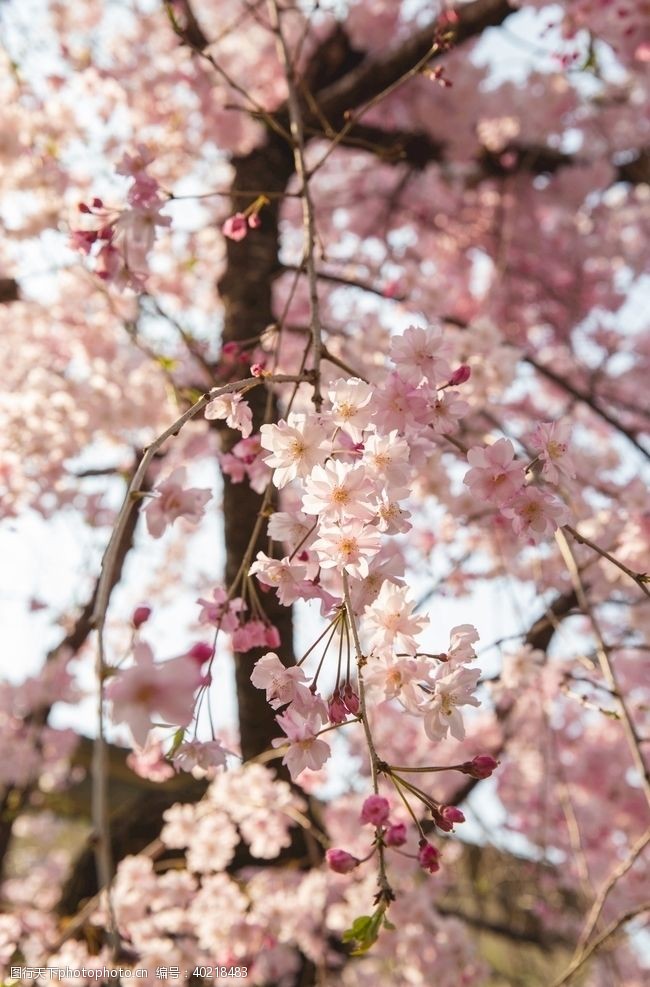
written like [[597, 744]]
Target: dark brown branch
[[9, 291], [14, 800]]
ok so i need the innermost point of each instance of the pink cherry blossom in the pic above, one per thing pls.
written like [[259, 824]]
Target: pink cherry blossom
[[348, 547], [282, 684], [203, 754], [535, 513], [390, 622], [295, 446], [233, 410], [495, 475], [551, 440], [235, 227], [337, 492], [419, 353], [172, 499], [451, 689], [221, 611], [351, 406], [305, 749], [153, 689]]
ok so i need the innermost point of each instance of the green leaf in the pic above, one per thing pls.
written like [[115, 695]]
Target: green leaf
[[365, 930]]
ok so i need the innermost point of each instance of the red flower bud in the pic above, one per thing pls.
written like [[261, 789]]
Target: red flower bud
[[480, 766], [340, 861], [140, 616], [460, 375]]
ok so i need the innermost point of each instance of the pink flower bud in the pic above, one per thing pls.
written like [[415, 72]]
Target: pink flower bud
[[235, 227], [201, 652], [395, 835], [336, 710], [271, 636], [375, 810], [480, 766], [428, 857], [254, 221], [340, 861], [82, 207], [460, 375], [230, 349], [351, 700], [257, 369], [452, 814], [98, 203], [140, 616], [446, 816]]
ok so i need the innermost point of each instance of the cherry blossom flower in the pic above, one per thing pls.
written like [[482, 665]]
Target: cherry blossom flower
[[390, 621], [135, 233], [451, 690], [202, 754], [233, 410], [397, 678], [348, 547], [283, 684], [391, 519], [151, 689], [535, 513], [495, 475], [221, 611], [386, 460], [305, 749], [461, 641], [338, 491], [446, 410], [295, 446], [235, 227], [173, 500], [419, 353], [551, 440], [255, 634], [350, 406], [287, 577], [399, 406]]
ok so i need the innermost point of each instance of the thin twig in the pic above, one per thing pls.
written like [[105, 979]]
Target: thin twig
[[308, 212], [640, 578], [612, 928], [606, 667]]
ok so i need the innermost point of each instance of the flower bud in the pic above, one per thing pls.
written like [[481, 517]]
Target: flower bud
[[351, 700], [201, 652], [395, 835], [480, 766], [461, 375], [340, 861], [235, 227], [140, 616], [446, 816], [428, 857], [336, 709], [375, 810]]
